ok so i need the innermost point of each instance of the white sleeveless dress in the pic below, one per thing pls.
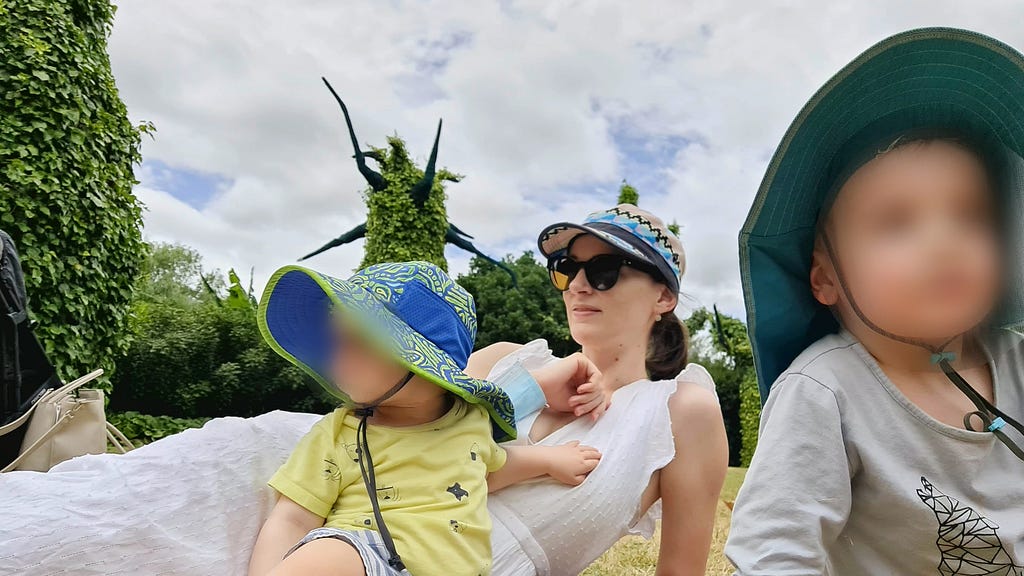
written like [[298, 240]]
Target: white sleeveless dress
[[192, 504], [545, 528]]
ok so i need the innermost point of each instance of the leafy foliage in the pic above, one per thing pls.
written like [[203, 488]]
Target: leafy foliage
[[750, 416], [67, 151], [144, 428], [628, 194], [172, 273], [534, 310], [730, 362], [397, 230], [198, 356]]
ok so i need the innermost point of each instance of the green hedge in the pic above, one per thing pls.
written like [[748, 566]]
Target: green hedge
[[144, 428], [750, 416], [67, 151], [206, 360]]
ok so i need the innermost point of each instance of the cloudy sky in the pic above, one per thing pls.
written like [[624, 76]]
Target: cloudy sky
[[547, 106]]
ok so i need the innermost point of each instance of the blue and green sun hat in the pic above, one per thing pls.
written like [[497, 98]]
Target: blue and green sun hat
[[413, 310], [927, 81]]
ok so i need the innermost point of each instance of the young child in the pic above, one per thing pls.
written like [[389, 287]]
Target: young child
[[396, 480], [875, 266]]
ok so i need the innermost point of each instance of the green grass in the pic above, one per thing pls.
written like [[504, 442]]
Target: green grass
[[634, 556]]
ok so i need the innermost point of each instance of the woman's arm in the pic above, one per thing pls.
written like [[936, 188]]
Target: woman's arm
[[483, 360], [691, 484], [287, 524]]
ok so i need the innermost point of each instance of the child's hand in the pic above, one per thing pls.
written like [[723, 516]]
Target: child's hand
[[571, 463], [574, 384]]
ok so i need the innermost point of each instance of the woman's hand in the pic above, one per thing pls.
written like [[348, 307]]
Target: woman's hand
[[574, 384], [571, 463]]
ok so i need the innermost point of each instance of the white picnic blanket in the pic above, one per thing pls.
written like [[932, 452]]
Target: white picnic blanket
[[191, 503]]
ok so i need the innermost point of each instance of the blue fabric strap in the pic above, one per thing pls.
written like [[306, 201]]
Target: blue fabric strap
[[526, 395]]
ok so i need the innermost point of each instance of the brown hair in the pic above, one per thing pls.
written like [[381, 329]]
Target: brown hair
[[667, 348]]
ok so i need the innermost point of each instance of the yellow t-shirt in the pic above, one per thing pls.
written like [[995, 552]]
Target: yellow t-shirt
[[431, 485]]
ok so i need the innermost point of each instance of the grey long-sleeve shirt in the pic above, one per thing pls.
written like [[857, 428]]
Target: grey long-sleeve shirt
[[851, 478]]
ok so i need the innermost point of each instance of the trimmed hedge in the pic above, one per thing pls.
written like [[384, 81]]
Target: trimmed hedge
[[144, 428], [750, 416], [67, 151], [207, 360]]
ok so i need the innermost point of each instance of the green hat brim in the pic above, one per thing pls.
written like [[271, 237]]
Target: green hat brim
[[935, 78], [295, 316]]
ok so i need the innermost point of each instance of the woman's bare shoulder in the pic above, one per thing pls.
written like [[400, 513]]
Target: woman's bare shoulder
[[483, 360], [694, 407]]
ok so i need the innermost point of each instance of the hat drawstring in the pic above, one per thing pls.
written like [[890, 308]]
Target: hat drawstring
[[993, 418], [364, 411]]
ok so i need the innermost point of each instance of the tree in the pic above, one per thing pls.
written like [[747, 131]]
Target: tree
[[407, 218], [67, 151], [628, 194], [533, 310], [173, 274], [730, 360]]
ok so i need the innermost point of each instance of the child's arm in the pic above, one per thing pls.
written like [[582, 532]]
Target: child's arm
[[797, 494], [287, 524], [569, 463], [570, 384]]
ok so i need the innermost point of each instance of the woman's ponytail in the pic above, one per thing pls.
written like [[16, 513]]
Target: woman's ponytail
[[667, 348]]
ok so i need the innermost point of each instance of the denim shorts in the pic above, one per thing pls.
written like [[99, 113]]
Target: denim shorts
[[366, 542]]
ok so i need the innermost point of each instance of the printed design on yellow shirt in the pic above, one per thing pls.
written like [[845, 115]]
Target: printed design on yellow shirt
[[387, 494], [352, 449], [458, 491], [331, 470], [455, 526], [968, 542], [474, 452]]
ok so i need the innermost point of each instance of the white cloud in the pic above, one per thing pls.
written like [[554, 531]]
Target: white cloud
[[529, 92]]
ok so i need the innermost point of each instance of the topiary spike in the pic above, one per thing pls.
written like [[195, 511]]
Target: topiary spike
[[374, 178], [421, 190], [353, 234]]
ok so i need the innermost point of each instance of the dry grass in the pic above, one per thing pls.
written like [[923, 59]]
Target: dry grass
[[634, 556]]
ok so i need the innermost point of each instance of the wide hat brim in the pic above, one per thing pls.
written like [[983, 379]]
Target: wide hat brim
[[295, 317], [935, 78]]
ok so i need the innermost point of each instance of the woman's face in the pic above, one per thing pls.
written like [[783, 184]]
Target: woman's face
[[625, 312]]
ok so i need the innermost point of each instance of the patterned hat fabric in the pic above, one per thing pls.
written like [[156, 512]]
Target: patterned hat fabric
[[412, 310], [635, 232]]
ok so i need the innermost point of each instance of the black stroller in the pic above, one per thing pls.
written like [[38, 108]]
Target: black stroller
[[26, 372]]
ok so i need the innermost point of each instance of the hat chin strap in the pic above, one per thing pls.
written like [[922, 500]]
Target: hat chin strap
[[364, 411], [992, 418]]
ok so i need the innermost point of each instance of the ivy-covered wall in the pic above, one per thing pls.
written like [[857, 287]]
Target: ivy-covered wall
[[396, 229], [67, 151]]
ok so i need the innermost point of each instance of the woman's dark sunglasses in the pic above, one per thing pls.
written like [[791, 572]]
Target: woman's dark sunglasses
[[602, 271]]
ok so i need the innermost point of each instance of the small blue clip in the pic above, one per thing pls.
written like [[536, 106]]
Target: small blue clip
[[940, 356], [996, 424]]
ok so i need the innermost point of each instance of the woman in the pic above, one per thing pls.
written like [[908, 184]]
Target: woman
[[193, 503], [662, 441]]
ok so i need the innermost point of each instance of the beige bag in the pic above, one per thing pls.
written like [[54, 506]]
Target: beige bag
[[63, 425]]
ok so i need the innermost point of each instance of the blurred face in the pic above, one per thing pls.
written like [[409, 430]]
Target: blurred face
[[916, 239], [625, 311], [359, 369]]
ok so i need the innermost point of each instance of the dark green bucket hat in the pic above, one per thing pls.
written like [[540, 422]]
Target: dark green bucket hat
[[932, 80]]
